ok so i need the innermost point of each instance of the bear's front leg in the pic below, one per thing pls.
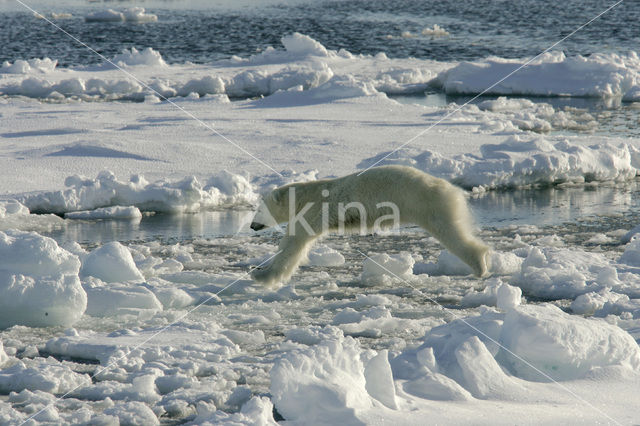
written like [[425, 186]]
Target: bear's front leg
[[292, 250]]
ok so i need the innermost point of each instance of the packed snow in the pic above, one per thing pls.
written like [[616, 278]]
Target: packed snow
[[373, 328]]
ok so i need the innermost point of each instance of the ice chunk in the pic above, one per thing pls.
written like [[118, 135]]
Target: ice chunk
[[133, 14], [312, 335], [111, 263], [39, 283], [108, 15], [207, 85], [257, 411], [44, 65], [148, 57], [590, 303], [187, 195], [48, 376], [559, 272], [324, 255], [324, 383], [384, 268], [115, 212], [15, 215], [3, 355], [436, 30], [132, 413], [111, 299], [482, 375], [631, 255], [562, 346], [302, 45], [496, 293], [379, 379], [136, 14], [437, 387]]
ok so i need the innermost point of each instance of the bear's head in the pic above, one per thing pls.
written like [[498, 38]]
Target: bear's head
[[272, 210]]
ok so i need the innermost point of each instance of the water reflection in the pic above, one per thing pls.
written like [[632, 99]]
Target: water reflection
[[555, 205], [161, 227]]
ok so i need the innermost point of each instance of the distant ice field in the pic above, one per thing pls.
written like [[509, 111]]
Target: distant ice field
[[201, 32]]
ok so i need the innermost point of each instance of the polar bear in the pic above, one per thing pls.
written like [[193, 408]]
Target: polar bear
[[380, 197]]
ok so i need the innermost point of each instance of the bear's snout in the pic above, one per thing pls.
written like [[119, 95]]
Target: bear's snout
[[256, 226]]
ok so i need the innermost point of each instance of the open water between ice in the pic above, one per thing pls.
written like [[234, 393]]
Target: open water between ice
[[496, 209]]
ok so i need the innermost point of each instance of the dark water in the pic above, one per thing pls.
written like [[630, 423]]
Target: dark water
[[201, 31], [606, 207]]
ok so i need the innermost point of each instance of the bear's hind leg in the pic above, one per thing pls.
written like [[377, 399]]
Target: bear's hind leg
[[452, 226], [460, 241]]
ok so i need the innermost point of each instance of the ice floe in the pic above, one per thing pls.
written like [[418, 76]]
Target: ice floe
[[115, 212], [187, 195], [15, 215], [551, 74], [133, 14], [521, 162]]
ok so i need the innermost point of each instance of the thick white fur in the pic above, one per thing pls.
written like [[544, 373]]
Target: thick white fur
[[424, 200]]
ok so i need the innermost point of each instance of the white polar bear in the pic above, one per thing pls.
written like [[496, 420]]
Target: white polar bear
[[378, 198]]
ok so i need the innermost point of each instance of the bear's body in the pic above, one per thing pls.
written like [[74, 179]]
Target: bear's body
[[339, 205]]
